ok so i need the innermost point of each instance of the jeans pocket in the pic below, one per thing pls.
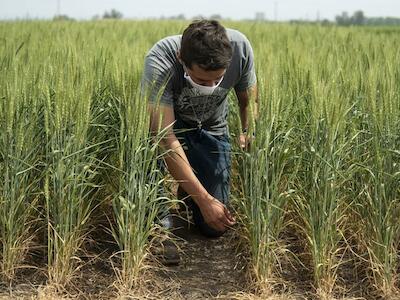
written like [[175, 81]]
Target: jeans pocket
[[222, 138]]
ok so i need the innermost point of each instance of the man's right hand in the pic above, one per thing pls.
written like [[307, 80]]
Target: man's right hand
[[216, 214]]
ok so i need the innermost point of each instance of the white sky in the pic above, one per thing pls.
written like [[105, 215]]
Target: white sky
[[234, 9]]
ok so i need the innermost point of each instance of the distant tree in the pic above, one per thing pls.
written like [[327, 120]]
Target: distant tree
[[180, 17], [198, 17], [358, 18], [343, 19], [216, 17], [113, 14], [260, 16], [177, 17], [62, 18], [325, 22]]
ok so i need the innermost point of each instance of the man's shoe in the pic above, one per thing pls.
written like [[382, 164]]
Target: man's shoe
[[169, 253], [163, 248]]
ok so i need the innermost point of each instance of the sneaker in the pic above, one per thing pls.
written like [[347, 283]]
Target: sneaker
[[165, 249], [170, 253]]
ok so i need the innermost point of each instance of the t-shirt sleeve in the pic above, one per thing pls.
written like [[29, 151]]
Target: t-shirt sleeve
[[155, 83], [248, 74]]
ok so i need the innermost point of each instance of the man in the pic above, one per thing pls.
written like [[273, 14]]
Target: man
[[187, 79]]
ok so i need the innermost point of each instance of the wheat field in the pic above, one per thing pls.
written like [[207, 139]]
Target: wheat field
[[323, 169]]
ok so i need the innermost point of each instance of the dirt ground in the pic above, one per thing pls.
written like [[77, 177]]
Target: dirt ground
[[210, 269]]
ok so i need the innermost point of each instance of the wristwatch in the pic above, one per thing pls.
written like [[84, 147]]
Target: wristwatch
[[245, 130]]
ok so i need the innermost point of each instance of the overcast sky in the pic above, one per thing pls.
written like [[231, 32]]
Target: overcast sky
[[234, 9]]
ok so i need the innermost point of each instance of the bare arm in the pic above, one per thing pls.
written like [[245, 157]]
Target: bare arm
[[214, 212], [245, 109]]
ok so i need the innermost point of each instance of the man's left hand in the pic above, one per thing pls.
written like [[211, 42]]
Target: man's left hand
[[245, 140]]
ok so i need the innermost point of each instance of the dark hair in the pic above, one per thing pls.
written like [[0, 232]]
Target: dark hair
[[205, 43]]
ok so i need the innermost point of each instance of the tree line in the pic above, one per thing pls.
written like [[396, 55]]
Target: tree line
[[359, 18]]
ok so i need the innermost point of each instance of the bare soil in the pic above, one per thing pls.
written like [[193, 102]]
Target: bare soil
[[209, 267]]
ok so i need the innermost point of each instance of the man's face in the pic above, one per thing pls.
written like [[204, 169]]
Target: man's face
[[203, 77]]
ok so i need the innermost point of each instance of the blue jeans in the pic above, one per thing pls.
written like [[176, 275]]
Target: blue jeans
[[209, 157]]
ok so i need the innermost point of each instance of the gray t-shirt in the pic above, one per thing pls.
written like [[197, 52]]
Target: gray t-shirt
[[163, 80]]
